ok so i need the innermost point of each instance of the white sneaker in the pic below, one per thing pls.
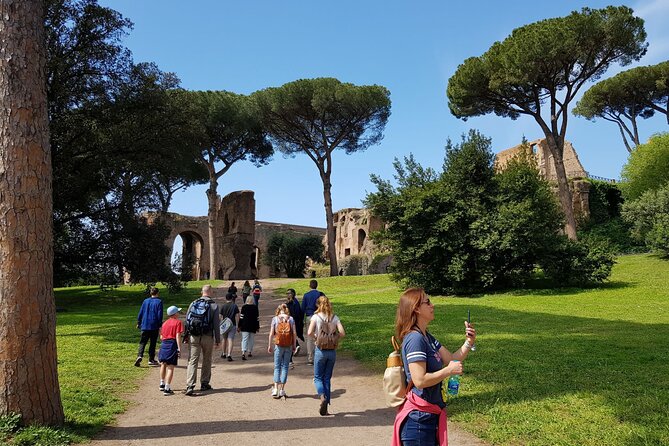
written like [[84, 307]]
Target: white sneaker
[[297, 351], [282, 393], [275, 391]]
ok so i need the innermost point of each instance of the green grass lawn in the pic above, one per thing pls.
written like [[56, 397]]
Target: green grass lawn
[[553, 367], [97, 345]]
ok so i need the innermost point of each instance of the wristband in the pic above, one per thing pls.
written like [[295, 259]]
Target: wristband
[[468, 346]]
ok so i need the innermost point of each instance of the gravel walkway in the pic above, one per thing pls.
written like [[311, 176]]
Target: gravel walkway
[[240, 411]]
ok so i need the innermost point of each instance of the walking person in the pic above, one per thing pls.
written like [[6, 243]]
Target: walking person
[[282, 336], [326, 327], [246, 290], [170, 348], [421, 420], [309, 302], [231, 311], [257, 289], [296, 312], [202, 332], [149, 320], [232, 289], [249, 324]]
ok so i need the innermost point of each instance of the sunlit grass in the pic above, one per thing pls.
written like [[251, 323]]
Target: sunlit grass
[[97, 345], [553, 367]]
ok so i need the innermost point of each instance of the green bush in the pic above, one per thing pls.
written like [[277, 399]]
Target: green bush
[[355, 265], [649, 219], [647, 167], [605, 201], [288, 252], [379, 263], [578, 263], [616, 232], [319, 270], [469, 229]]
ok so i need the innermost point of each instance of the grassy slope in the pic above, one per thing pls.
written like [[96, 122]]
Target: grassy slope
[[553, 367]]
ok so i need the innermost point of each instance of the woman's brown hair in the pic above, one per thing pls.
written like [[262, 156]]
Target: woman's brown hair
[[324, 306], [406, 317], [282, 308]]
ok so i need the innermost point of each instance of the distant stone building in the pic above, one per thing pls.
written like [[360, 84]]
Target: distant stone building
[[576, 174], [353, 226], [241, 241]]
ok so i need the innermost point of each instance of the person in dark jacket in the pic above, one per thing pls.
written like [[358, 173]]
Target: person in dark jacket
[[149, 320], [249, 324], [296, 312]]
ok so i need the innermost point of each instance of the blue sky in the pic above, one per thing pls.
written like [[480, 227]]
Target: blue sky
[[412, 48]]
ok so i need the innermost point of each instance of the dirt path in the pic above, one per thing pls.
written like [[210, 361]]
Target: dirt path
[[240, 411]]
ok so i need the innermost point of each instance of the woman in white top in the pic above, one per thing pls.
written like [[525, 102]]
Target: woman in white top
[[283, 337], [326, 344]]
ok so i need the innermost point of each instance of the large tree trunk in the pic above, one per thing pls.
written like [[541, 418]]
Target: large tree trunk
[[28, 364], [332, 233], [564, 193], [212, 198]]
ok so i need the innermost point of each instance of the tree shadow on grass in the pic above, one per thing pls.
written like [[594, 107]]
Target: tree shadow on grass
[[528, 357]]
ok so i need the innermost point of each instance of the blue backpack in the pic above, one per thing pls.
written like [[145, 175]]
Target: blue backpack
[[198, 319]]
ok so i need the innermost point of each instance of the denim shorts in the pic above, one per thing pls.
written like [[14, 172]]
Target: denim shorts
[[419, 429]]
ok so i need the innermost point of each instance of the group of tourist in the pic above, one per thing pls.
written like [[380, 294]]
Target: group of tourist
[[421, 419], [208, 326]]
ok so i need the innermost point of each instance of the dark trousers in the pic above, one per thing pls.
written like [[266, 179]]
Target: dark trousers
[[152, 336]]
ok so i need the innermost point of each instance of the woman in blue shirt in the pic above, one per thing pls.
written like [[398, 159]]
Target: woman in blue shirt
[[424, 358]]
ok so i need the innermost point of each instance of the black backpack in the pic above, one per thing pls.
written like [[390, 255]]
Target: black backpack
[[198, 319]]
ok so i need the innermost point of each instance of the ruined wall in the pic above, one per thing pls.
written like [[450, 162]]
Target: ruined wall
[[353, 227], [539, 147], [195, 235], [580, 189], [263, 232], [235, 236]]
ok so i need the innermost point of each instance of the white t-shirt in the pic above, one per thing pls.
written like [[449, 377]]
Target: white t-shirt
[[319, 318]]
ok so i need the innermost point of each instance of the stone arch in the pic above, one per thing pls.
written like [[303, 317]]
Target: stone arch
[[362, 235], [191, 251]]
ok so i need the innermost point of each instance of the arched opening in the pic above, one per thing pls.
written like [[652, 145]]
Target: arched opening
[[187, 254], [362, 235]]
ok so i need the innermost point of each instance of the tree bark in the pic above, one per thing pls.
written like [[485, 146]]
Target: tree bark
[[212, 198], [564, 193], [28, 360], [332, 233]]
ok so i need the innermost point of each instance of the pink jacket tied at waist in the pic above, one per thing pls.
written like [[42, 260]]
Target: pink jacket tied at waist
[[414, 402]]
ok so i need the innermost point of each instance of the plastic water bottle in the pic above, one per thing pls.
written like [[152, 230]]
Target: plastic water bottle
[[453, 384]]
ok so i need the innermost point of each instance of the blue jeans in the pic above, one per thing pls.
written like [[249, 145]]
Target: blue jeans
[[281, 363], [324, 362], [419, 429], [256, 299]]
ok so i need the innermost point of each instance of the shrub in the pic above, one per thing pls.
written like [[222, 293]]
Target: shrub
[[288, 252], [319, 270], [469, 229], [355, 265], [647, 167], [380, 263], [649, 219], [605, 201], [616, 232], [578, 263]]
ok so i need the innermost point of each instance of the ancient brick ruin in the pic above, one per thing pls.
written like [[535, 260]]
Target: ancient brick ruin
[[576, 174]]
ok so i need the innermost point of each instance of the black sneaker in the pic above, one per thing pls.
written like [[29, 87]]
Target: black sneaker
[[153, 362], [190, 390], [223, 355], [204, 387], [162, 387], [243, 358], [138, 361], [168, 392], [230, 358]]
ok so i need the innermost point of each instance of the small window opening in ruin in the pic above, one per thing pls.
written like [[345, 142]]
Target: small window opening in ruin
[[534, 148], [347, 252], [361, 238]]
